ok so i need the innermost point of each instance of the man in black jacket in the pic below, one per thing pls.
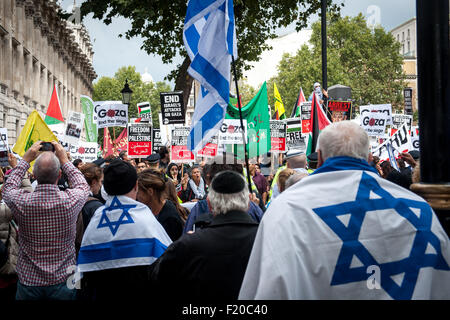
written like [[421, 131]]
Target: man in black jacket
[[210, 263]]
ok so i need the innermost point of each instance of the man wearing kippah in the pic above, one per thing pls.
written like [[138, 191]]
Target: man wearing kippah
[[210, 263], [121, 241]]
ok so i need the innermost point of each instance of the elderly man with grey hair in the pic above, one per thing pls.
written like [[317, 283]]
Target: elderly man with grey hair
[[209, 264], [46, 219], [346, 233]]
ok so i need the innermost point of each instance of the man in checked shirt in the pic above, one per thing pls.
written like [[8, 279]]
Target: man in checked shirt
[[47, 223]]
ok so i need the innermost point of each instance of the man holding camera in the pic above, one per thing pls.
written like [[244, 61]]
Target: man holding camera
[[46, 219]]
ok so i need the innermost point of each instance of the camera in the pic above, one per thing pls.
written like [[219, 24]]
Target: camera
[[47, 146]]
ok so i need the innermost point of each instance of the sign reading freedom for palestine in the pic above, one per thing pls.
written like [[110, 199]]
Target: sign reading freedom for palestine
[[139, 140], [172, 107]]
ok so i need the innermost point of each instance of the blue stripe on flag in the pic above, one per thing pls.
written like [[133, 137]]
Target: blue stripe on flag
[[230, 31], [216, 79], [121, 249], [193, 38], [206, 122], [197, 6]]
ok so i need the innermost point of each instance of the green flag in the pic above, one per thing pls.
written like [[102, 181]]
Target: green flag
[[87, 105], [258, 124]]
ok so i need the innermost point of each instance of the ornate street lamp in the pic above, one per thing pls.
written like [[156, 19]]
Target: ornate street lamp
[[126, 93]]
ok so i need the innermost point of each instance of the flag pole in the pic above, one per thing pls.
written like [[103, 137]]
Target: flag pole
[[242, 124]]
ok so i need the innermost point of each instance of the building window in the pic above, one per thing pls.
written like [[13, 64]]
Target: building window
[[398, 38], [409, 47], [408, 34], [17, 128], [403, 36], [403, 48]]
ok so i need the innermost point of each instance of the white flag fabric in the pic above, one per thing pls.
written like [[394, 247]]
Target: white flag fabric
[[210, 40], [122, 233], [345, 233]]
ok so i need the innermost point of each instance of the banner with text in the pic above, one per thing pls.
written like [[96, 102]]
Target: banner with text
[[74, 127], [374, 123], [179, 151], [210, 149], [278, 136], [294, 137], [305, 115], [231, 132], [145, 111], [4, 147], [85, 151], [112, 115], [156, 140], [383, 108], [172, 107], [139, 140], [400, 141]]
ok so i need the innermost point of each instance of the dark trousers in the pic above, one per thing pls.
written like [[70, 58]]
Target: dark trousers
[[55, 292]]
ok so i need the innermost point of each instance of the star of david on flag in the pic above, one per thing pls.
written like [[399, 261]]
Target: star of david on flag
[[210, 40], [124, 218], [398, 278]]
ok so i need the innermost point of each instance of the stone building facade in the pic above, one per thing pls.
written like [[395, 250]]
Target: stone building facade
[[38, 50]]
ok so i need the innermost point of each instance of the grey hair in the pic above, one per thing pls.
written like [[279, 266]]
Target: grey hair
[[296, 177], [221, 203], [46, 168], [344, 138], [297, 161]]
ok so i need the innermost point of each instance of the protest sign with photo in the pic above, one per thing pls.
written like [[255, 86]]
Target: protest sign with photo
[[179, 150], [145, 111], [172, 107], [4, 147], [139, 140], [156, 140], [85, 151], [112, 115], [278, 136], [401, 141], [294, 137], [230, 132], [374, 123], [210, 149], [399, 119], [305, 115], [383, 108], [74, 127]]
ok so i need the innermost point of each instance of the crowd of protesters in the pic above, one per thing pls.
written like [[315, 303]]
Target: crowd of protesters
[[206, 215]]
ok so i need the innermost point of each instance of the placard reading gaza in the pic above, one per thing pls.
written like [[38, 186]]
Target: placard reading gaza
[[374, 123], [139, 140], [112, 115], [179, 150], [86, 151], [172, 107]]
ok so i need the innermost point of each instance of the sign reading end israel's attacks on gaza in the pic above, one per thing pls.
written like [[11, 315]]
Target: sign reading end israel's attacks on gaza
[[172, 107]]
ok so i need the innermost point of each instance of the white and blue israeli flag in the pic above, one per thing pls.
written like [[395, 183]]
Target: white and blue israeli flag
[[210, 40], [345, 233], [122, 233]]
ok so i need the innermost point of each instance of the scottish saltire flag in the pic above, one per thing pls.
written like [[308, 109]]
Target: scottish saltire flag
[[345, 233], [210, 40], [122, 233]]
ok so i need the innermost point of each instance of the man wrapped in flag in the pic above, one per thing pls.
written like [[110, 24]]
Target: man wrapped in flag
[[345, 233], [121, 241], [210, 39]]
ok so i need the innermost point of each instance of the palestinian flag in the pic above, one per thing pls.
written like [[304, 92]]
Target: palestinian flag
[[319, 122], [279, 107], [296, 110], [54, 114]]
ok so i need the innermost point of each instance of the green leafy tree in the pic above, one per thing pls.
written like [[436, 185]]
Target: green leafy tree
[[160, 24], [366, 60], [107, 88]]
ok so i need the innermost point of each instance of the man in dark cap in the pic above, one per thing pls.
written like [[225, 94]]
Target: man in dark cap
[[153, 161], [312, 162], [210, 263], [121, 241]]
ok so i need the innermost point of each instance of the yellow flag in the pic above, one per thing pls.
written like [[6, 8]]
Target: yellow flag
[[35, 129], [279, 107]]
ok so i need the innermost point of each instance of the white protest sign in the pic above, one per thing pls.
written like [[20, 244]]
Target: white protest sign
[[400, 140], [86, 151], [399, 119], [374, 123], [383, 108], [112, 115], [415, 138], [4, 147], [98, 105], [74, 127], [230, 132]]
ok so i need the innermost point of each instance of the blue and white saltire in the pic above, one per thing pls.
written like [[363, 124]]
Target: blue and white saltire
[[210, 40], [392, 160], [122, 233], [345, 233]]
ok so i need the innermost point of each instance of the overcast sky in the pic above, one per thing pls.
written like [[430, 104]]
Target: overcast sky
[[112, 52]]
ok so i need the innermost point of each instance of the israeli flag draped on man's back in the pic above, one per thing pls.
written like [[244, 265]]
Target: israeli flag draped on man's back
[[345, 233], [210, 40]]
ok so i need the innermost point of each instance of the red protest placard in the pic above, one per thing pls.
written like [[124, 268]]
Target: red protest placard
[[181, 154]]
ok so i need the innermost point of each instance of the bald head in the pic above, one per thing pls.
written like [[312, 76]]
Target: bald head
[[46, 168], [297, 162]]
